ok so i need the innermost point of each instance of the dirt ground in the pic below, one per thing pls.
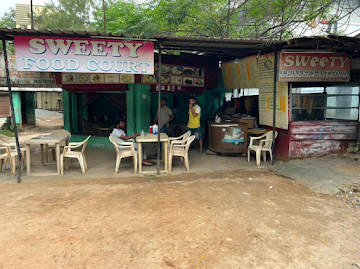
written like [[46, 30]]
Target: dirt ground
[[50, 122], [213, 220]]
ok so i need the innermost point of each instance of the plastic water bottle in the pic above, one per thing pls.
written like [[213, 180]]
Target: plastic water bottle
[[155, 129]]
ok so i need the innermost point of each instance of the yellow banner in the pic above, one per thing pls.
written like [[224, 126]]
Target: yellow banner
[[241, 73]]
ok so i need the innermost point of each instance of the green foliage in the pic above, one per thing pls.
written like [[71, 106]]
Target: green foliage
[[65, 15], [7, 133], [268, 19], [127, 17], [8, 20], [273, 19], [8, 127]]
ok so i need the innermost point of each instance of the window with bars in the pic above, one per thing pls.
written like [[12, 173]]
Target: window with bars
[[325, 103]]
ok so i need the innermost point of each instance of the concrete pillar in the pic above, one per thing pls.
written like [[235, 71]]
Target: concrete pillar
[[17, 107], [138, 106], [30, 108]]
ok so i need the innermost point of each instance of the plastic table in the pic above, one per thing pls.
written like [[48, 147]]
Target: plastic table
[[43, 140], [151, 138]]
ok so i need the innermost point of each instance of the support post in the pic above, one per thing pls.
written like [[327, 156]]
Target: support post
[[32, 14], [274, 108], [104, 16], [12, 109], [159, 114]]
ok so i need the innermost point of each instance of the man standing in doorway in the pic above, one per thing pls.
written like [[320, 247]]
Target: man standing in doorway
[[166, 116], [194, 121]]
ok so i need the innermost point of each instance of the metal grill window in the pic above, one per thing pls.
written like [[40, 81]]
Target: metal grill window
[[325, 103]]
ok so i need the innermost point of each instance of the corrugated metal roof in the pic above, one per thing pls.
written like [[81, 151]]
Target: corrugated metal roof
[[225, 48], [9, 33], [221, 48]]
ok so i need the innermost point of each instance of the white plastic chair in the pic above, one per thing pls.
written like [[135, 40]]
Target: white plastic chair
[[4, 155], [12, 154], [181, 150], [178, 140], [124, 150], [80, 155], [11, 144], [264, 146], [52, 147]]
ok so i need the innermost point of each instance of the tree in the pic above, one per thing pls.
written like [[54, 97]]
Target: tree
[[8, 20], [127, 17], [249, 18], [262, 19], [66, 15]]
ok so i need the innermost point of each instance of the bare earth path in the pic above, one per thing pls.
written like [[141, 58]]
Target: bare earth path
[[214, 220]]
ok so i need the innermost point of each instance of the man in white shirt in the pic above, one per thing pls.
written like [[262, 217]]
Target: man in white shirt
[[120, 135]]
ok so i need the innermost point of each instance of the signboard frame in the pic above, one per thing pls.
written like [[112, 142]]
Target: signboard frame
[[314, 67], [83, 55]]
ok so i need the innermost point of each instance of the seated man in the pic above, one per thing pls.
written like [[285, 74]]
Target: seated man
[[120, 135]]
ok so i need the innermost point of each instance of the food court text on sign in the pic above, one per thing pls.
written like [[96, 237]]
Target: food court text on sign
[[303, 66], [51, 54]]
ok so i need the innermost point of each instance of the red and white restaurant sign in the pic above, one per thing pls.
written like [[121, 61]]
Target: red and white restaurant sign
[[304, 66], [81, 55]]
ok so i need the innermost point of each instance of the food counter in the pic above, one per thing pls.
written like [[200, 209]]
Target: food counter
[[228, 137]]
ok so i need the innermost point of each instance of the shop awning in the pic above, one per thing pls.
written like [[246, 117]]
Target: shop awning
[[221, 48], [9, 33], [228, 48]]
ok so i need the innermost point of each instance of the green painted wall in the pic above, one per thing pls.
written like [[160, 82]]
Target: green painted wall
[[17, 107], [85, 111], [201, 101], [130, 110], [30, 108], [74, 118], [138, 105], [98, 142], [141, 110], [66, 96], [70, 112], [182, 115], [154, 102]]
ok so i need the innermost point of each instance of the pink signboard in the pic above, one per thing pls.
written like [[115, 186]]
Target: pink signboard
[[79, 55], [310, 66]]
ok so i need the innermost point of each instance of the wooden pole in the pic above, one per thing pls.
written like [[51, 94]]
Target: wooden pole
[[32, 14], [104, 16], [159, 114], [12, 109], [274, 108]]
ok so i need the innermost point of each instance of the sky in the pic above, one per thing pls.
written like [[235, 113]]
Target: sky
[[6, 4]]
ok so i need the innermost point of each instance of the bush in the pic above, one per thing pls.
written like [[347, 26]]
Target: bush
[[8, 125]]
